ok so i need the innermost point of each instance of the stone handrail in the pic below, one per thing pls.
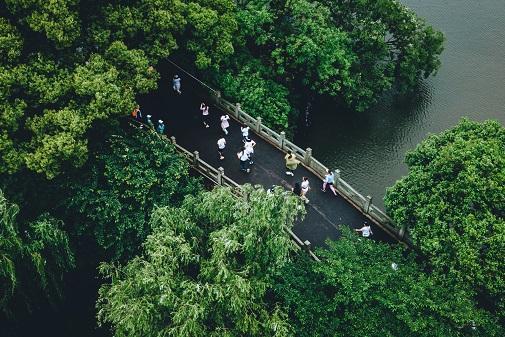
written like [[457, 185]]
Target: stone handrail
[[363, 203], [217, 176]]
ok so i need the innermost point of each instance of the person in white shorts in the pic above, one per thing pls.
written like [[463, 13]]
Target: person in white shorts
[[366, 230], [225, 124], [221, 144]]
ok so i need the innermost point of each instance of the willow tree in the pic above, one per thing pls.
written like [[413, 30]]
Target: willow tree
[[206, 269], [33, 258]]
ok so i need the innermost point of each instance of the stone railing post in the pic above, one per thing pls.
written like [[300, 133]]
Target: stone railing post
[[236, 111], [281, 141], [172, 139], [258, 125], [337, 178], [366, 204], [220, 174], [196, 158], [308, 156]]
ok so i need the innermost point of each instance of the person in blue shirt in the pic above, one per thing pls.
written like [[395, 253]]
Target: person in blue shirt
[[161, 127], [329, 180]]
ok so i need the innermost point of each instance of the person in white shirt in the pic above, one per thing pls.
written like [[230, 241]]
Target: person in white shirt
[[176, 84], [305, 188], [245, 132], [366, 230], [221, 144], [249, 149], [244, 160], [225, 124], [205, 114]]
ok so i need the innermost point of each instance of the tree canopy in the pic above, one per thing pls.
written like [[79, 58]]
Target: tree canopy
[[452, 204], [66, 66], [113, 200], [365, 288], [33, 258], [352, 50], [206, 269]]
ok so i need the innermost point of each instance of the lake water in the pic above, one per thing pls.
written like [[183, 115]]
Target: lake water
[[369, 148]]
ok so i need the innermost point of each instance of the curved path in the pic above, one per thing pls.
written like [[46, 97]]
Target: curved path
[[181, 115]]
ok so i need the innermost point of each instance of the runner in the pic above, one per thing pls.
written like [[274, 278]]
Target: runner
[[305, 189], [225, 124], [205, 114], [329, 180], [291, 163], [244, 160], [161, 127], [176, 84], [221, 144], [249, 149], [366, 230], [245, 132]]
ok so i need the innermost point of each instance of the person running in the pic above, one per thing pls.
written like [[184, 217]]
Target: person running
[[221, 144], [161, 127], [291, 163], [176, 84], [204, 108], [244, 160], [149, 121], [225, 124], [249, 148], [366, 230], [135, 112], [245, 132], [329, 180], [305, 188]]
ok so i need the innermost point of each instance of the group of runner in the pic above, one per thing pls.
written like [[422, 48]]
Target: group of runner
[[246, 152]]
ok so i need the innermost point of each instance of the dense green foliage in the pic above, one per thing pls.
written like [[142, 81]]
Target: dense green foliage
[[357, 291], [206, 269], [452, 204], [352, 50], [126, 179], [65, 66], [33, 257]]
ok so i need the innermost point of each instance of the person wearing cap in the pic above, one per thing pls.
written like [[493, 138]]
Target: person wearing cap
[[366, 230], [176, 84], [161, 127], [149, 121]]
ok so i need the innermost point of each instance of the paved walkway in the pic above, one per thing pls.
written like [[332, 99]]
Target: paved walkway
[[182, 117]]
